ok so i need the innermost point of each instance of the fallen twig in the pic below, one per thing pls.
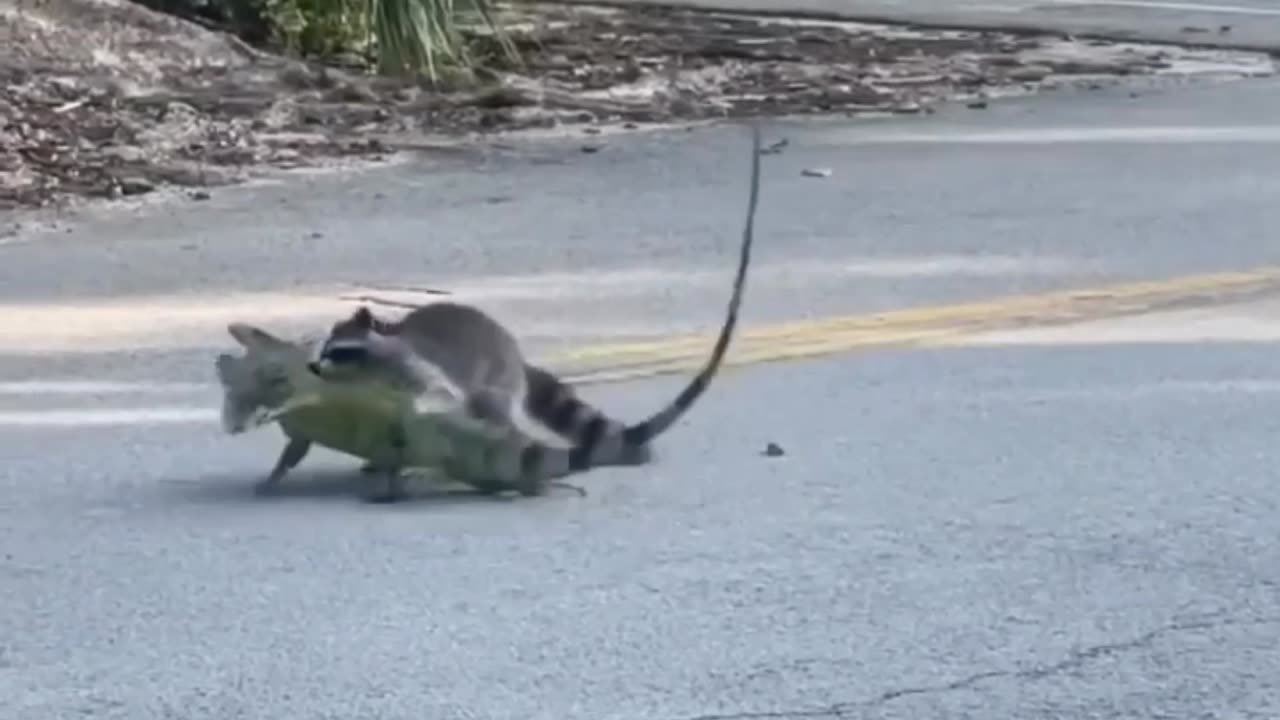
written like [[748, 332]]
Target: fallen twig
[[69, 106], [380, 301], [408, 288]]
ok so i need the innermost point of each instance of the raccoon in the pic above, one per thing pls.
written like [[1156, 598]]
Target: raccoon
[[470, 358]]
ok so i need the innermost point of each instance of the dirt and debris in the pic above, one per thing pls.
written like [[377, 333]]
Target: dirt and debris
[[103, 98]]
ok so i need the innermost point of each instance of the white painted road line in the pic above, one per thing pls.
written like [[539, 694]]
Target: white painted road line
[[100, 387], [1175, 6], [108, 417], [1046, 136]]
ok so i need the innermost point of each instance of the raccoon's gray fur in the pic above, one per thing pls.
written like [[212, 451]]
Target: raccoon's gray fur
[[469, 356]]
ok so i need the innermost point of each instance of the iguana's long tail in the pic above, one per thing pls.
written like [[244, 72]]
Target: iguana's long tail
[[601, 441]]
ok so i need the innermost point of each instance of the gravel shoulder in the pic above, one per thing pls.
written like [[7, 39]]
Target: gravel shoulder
[[105, 99]]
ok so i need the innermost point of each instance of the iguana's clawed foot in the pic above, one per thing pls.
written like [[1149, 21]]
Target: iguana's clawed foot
[[384, 494], [384, 486], [266, 488], [581, 491], [383, 498]]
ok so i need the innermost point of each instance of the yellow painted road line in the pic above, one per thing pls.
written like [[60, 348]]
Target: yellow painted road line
[[810, 338]]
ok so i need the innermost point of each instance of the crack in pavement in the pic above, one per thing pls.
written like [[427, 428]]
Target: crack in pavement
[[1076, 659]]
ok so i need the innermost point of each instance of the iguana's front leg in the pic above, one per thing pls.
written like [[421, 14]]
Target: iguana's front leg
[[293, 452]]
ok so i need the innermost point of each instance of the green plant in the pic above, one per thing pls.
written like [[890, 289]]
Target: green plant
[[318, 28], [402, 37]]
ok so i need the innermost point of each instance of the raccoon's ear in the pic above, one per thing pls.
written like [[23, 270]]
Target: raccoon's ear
[[252, 337], [363, 318]]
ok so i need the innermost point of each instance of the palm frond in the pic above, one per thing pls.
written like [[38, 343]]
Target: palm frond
[[412, 36]]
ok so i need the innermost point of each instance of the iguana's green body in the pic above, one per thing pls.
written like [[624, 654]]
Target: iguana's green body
[[271, 382]]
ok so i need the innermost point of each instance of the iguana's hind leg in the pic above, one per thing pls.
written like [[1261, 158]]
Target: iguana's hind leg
[[293, 452]]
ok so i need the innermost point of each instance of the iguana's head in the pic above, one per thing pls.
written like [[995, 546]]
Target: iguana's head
[[260, 381]]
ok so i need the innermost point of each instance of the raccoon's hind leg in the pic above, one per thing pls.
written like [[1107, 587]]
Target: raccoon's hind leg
[[293, 452], [490, 407]]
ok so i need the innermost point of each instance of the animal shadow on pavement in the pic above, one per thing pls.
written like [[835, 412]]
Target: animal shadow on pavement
[[330, 483]]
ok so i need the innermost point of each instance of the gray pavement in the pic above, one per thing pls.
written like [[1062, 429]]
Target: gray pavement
[[979, 532], [1016, 527], [1244, 24]]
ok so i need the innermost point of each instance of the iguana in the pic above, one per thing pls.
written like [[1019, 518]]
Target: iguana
[[271, 382]]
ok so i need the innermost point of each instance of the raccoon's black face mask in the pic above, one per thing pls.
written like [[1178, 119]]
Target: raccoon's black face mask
[[340, 356]]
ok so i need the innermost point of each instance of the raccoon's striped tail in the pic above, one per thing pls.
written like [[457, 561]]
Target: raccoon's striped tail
[[599, 440]]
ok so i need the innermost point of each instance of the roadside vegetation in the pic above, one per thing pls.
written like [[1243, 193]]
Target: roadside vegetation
[[441, 41], [117, 98]]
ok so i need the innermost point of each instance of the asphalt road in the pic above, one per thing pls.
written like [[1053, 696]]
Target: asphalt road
[[1074, 523], [1067, 189], [1253, 24]]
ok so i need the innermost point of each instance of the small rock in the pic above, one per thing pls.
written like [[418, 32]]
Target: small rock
[[774, 148], [1029, 73], [591, 130], [589, 149], [816, 172], [976, 104], [316, 235], [136, 186], [1224, 29], [773, 450], [127, 153], [1002, 61], [629, 126], [198, 195]]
